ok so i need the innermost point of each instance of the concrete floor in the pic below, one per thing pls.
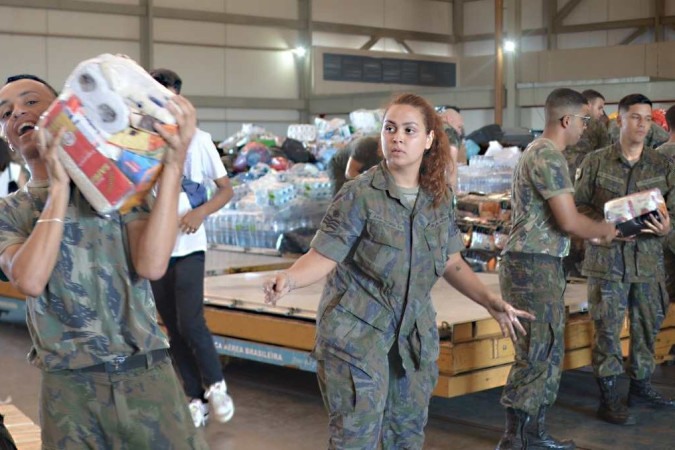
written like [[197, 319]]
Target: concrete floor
[[281, 409]]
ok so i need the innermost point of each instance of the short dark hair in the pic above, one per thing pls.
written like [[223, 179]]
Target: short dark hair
[[592, 94], [561, 100], [670, 118], [27, 76], [167, 78], [633, 99]]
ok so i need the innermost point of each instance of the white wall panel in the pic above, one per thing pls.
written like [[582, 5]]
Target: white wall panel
[[221, 130], [261, 74], [432, 48], [262, 114], [670, 7], [645, 38], [117, 2], [321, 39], [202, 69], [212, 114], [476, 118], [224, 114], [388, 45], [23, 20], [232, 127], [246, 36], [532, 43], [532, 118], [89, 24], [432, 17], [479, 48], [614, 37], [582, 40], [221, 121], [188, 31], [587, 12], [282, 9], [630, 9], [531, 14], [354, 12], [63, 54], [36, 47], [479, 17], [198, 5], [217, 129]]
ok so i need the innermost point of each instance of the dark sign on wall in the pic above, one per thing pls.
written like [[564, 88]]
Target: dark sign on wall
[[367, 69]]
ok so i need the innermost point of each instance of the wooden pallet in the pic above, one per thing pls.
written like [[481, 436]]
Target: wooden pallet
[[221, 261], [25, 433], [484, 363]]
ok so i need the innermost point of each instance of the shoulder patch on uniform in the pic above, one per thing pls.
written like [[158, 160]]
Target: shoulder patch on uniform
[[577, 175]]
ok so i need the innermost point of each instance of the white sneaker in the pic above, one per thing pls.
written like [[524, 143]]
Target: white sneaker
[[221, 403], [199, 412]]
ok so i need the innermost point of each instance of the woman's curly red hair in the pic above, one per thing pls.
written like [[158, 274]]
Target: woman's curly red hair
[[436, 163]]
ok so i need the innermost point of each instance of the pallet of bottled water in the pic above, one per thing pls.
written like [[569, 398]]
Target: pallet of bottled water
[[484, 175], [262, 228]]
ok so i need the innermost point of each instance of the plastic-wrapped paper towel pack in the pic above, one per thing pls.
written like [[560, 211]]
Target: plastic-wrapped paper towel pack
[[630, 212], [110, 149]]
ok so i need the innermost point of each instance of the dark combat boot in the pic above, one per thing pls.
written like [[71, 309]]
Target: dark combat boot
[[611, 409], [538, 438], [641, 392], [514, 437]]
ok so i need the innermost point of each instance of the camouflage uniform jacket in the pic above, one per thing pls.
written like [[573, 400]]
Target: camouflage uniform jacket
[[605, 175], [453, 136], [389, 256], [541, 174], [594, 137], [667, 150], [94, 307]]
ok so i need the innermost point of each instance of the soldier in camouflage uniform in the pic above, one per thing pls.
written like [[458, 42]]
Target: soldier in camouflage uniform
[[655, 137], [384, 242], [668, 149], [107, 379], [595, 137], [531, 272], [627, 275]]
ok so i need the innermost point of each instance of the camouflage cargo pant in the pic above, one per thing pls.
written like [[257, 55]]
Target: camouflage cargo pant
[[389, 407], [535, 283], [137, 410], [669, 260], [646, 304]]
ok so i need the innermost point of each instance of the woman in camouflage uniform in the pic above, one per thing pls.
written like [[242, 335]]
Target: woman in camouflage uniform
[[386, 239]]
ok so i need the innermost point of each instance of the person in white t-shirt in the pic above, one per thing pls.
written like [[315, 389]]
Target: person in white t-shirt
[[11, 173], [179, 294]]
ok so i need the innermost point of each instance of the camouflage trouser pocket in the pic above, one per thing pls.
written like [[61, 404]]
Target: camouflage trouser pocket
[[345, 388], [423, 339], [541, 342]]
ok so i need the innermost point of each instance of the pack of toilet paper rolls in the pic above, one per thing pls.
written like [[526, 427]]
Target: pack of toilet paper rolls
[[630, 213], [109, 106]]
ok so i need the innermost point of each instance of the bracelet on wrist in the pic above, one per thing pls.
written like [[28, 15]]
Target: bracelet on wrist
[[54, 219]]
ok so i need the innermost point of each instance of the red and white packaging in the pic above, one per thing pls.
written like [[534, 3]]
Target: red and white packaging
[[630, 212], [110, 149]]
